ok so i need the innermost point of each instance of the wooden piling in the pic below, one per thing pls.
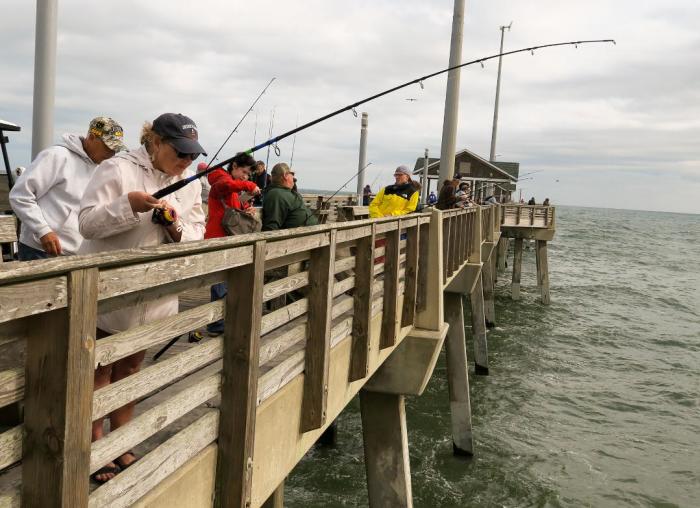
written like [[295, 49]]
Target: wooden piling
[[457, 376], [276, 499], [503, 253], [386, 449], [517, 268], [481, 357], [488, 298], [543, 271]]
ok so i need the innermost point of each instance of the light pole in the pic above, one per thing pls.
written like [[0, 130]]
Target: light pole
[[492, 156], [44, 74]]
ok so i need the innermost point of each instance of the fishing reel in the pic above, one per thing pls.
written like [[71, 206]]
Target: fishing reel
[[164, 216]]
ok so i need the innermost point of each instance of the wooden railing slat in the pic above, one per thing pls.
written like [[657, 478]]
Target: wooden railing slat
[[239, 387], [408, 313], [390, 316], [321, 278], [30, 298], [362, 306]]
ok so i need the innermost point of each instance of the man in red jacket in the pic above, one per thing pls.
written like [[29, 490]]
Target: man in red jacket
[[226, 187]]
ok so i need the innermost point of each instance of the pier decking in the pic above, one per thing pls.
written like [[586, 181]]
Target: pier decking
[[225, 421]]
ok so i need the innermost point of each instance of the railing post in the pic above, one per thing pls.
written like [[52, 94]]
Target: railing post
[[59, 379], [390, 313], [364, 270], [239, 386], [318, 343], [431, 262], [408, 312]]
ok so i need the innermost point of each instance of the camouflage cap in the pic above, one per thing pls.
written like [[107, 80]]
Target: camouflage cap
[[109, 131]]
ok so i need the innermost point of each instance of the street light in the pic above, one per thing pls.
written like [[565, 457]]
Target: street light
[[492, 156]]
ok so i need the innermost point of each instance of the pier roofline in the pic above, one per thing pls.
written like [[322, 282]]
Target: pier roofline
[[229, 418]]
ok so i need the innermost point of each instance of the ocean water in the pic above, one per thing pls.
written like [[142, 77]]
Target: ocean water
[[591, 401]]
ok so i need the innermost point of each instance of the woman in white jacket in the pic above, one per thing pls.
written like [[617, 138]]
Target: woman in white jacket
[[116, 213]]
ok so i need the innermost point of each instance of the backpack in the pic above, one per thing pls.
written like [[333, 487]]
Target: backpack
[[237, 222]]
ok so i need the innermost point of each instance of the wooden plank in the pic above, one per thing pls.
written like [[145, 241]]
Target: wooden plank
[[284, 315], [234, 464], [8, 231], [286, 285], [11, 386], [390, 315], [454, 244], [517, 268], [445, 249], [423, 251], [148, 423], [344, 264], [362, 306], [131, 484], [137, 385], [31, 298], [293, 245], [11, 446], [132, 278], [408, 313], [58, 400], [11, 488], [321, 278], [343, 286], [348, 235], [120, 345]]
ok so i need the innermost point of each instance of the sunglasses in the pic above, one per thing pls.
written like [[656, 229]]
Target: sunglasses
[[180, 155]]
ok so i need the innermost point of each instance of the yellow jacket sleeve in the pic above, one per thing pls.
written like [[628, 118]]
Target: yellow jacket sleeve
[[375, 205], [412, 203]]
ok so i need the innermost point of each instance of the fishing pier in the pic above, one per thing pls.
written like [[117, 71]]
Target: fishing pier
[[224, 421]]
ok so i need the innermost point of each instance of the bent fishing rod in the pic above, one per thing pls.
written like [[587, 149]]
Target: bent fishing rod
[[351, 107]]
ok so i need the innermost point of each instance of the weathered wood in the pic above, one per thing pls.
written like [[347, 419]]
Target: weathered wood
[[31, 298], [128, 486], [517, 268], [457, 376], [385, 441], [502, 253], [234, 464], [364, 264], [476, 300], [286, 285], [321, 279], [390, 315], [11, 488], [11, 446], [11, 386], [282, 338], [344, 264], [145, 425], [8, 232], [349, 235], [276, 499], [487, 281], [120, 345], [431, 316], [297, 244], [543, 271], [281, 317], [423, 250], [343, 286], [59, 381], [133, 278], [116, 394], [446, 260], [408, 312], [454, 244]]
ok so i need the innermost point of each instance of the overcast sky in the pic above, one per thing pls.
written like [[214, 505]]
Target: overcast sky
[[601, 125]]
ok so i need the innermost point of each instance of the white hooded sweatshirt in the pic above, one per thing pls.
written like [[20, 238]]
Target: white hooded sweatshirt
[[46, 196], [108, 224]]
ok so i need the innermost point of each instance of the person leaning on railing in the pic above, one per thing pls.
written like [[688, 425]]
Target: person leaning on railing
[[397, 199], [118, 211]]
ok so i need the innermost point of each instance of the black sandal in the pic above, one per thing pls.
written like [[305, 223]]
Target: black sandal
[[126, 466], [115, 470]]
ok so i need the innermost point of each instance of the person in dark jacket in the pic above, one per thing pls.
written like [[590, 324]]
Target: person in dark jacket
[[282, 207], [261, 179], [447, 198]]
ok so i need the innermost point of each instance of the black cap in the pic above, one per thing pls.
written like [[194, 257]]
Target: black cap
[[180, 131]]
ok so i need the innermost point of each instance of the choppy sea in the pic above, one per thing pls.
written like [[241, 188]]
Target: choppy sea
[[591, 401]]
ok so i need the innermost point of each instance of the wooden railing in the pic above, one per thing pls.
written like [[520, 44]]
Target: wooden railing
[[325, 207], [537, 216], [48, 310], [8, 236]]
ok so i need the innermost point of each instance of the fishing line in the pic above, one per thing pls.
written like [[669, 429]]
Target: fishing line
[[272, 141]]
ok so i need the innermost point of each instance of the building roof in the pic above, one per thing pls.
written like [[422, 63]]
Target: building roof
[[505, 170]]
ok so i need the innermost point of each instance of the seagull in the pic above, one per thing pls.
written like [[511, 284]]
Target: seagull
[[411, 100]]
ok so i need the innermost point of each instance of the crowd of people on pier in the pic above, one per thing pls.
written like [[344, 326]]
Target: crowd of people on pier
[[91, 194]]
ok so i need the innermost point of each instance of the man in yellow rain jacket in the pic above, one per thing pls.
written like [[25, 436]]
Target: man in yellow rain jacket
[[398, 199]]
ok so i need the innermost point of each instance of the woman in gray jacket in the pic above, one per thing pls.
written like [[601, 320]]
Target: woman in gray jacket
[[116, 213]]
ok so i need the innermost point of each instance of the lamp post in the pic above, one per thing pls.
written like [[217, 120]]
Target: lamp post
[[492, 156], [44, 74]]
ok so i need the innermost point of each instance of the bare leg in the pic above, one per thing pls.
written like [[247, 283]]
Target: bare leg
[[123, 368], [103, 375]]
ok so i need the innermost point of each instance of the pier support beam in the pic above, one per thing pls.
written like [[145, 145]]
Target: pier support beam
[[276, 499], [487, 281], [457, 376], [542, 270], [386, 449], [481, 356], [517, 268], [503, 253]]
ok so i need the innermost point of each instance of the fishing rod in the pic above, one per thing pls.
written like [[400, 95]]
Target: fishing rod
[[294, 142], [351, 107], [343, 186], [269, 133]]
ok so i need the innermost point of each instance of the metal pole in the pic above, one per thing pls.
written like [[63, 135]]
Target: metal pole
[[492, 156], [424, 198], [449, 125], [44, 74], [6, 159], [362, 163]]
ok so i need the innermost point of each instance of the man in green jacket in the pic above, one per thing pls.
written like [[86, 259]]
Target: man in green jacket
[[284, 208]]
